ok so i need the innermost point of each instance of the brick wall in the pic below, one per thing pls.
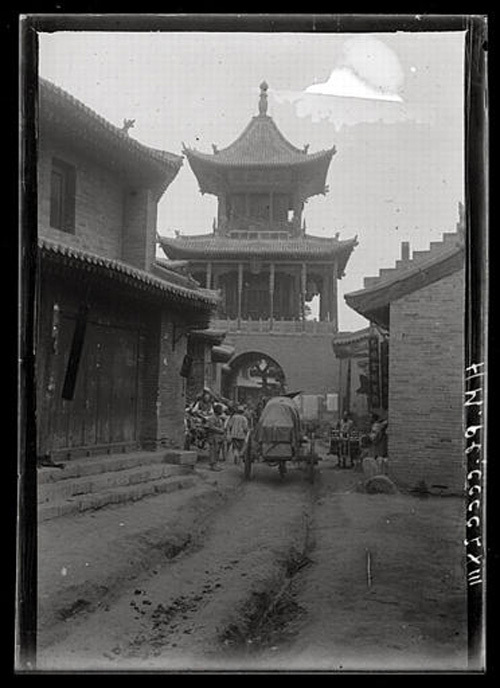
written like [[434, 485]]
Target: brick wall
[[426, 385], [139, 228], [149, 372], [111, 218], [163, 395], [171, 396], [98, 208], [308, 361]]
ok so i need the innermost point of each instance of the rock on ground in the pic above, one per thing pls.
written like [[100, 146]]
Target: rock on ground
[[380, 484]]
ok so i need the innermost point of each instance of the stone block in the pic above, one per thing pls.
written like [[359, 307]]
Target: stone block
[[380, 484], [181, 457]]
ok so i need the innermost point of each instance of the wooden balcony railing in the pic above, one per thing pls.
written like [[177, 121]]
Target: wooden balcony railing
[[250, 226], [275, 326]]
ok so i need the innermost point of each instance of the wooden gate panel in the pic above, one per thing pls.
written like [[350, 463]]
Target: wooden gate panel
[[105, 384], [60, 410], [104, 408], [91, 386], [130, 383], [124, 388]]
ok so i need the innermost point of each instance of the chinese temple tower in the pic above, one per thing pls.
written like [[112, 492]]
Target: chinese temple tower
[[265, 265]]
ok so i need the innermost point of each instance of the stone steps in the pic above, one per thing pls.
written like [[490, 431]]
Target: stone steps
[[71, 487], [115, 495], [76, 468], [96, 482]]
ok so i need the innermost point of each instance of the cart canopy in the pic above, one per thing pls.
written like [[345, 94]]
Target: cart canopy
[[279, 422]]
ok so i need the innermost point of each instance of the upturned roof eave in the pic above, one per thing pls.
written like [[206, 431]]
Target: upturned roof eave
[[217, 160], [344, 338], [340, 251], [220, 245], [55, 103]]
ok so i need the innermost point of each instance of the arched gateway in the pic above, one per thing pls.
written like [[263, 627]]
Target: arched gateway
[[252, 375]]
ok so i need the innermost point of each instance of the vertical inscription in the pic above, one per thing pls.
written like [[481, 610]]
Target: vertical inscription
[[474, 375]]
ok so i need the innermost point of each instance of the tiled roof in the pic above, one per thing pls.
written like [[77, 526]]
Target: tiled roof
[[108, 267], [209, 333], [203, 246], [260, 144], [341, 338], [425, 267], [173, 274], [67, 112]]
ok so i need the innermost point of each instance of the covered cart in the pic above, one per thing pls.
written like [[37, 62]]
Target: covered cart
[[279, 437]]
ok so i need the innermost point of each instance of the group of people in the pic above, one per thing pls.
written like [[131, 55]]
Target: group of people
[[353, 446], [224, 427]]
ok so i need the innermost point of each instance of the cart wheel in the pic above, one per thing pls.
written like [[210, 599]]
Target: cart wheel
[[247, 460], [282, 469]]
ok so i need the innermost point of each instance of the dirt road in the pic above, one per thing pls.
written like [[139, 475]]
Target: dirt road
[[293, 577]]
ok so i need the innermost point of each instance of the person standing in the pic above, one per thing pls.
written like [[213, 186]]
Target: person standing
[[346, 427], [378, 436], [205, 404], [237, 429], [215, 432]]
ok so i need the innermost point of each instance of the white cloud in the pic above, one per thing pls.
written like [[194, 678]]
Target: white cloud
[[345, 83], [364, 86], [343, 110]]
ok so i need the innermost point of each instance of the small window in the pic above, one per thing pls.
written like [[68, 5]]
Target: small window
[[62, 196]]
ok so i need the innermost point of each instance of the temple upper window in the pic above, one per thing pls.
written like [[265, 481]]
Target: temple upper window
[[259, 206]]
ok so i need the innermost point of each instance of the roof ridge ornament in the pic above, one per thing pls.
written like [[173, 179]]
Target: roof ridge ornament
[[263, 98]]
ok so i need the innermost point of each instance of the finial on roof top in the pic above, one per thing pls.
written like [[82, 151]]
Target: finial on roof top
[[263, 98], [215, 149], [306, 148], [128, 124]]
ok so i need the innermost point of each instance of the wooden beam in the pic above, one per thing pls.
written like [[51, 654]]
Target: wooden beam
[[271, 295], [323, 297], [303, 287], [240, 290], [334, 299]]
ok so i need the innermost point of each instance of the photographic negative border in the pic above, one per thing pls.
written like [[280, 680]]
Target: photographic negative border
[[476, 315]]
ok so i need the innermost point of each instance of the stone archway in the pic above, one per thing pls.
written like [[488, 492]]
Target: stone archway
[[253, 375]]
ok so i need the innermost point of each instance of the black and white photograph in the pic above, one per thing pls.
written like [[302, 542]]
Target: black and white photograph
[[252, 433]]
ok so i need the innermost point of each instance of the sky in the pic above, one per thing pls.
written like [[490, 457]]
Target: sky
[[392, 104]]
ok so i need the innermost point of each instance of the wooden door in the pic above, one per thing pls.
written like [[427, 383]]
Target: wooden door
[[116, 374], [103, 411]]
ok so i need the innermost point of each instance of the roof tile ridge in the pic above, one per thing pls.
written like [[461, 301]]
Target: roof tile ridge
[[248, 127], [123, 267], [387, 275], [112, 128], [284, 138], [180, 237]]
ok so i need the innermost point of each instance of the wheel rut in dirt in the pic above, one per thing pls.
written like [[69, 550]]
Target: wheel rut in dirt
[[266, 618], [241, 575]]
